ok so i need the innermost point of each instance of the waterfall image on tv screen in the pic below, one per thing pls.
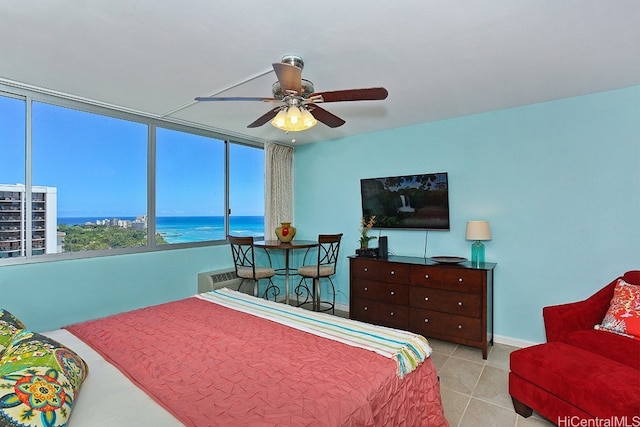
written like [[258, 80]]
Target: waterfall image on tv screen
[[411, 201]]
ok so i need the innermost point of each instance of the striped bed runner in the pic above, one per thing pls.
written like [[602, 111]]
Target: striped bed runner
[[406, 348]]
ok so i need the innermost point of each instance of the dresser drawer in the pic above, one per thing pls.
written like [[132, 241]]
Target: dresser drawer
[[425, 276], [379, 313], [380, 291], [463, 280], [444, 326], [455, 279], [381, 271], [458, 303]]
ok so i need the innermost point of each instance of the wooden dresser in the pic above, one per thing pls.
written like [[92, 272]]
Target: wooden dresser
[[451, 302]]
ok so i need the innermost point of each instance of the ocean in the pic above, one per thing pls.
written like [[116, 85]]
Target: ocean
[[185, 229]]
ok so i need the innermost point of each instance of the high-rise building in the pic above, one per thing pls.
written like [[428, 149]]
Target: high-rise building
[[14, 219]]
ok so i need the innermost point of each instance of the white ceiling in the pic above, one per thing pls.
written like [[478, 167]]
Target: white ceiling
[[437, 58]]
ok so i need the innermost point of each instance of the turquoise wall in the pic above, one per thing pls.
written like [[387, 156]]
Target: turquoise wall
[[558, 181], [49, 295]]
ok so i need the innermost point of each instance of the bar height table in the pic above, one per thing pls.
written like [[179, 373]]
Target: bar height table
[[286, 247]]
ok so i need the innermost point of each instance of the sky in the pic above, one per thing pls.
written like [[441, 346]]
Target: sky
[[99, 165]]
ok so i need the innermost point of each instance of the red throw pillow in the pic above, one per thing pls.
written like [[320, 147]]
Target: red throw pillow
[[623, 316]]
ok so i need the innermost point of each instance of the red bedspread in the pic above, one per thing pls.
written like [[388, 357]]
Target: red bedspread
[[213, 366]]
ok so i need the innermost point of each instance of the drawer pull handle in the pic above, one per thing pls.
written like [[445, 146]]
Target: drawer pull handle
[[366, 308], [393, 272], [426, 276], [460, 279], [460, 303], [391, 313], [426, 320], [366, 289], [426, 298], [392, 293], [366, 269], [459, 326]]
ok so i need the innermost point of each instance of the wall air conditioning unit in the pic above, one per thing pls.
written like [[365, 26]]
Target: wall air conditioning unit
[[211, 280]]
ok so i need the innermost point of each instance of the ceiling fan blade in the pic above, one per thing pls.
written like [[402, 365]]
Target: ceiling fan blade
[[269, 115], [369, 94], [235, 98], [326, 117], [289, 76]]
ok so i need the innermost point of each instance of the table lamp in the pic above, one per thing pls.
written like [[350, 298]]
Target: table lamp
[[478, 231]]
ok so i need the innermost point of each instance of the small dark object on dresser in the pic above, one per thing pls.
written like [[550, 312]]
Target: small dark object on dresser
[[368, 253]]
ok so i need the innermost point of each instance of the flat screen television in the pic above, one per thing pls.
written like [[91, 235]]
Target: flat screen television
[[411, 202]]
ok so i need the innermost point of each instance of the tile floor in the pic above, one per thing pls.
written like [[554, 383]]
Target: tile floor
[[475, 391]]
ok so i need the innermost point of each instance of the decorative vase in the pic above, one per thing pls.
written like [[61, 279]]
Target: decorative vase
[[285, 232]]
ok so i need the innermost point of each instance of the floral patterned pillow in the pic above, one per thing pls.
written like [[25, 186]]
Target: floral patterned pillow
[[9, 325], [623, 316], [39, 381]]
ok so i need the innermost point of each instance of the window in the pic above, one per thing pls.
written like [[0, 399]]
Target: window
[[190, 171], [79, 179], [12, 139], [12, 177], [97, 167], [190, 188], [246, 190]]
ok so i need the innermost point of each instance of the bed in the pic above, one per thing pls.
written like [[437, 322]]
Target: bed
[[224, 358]]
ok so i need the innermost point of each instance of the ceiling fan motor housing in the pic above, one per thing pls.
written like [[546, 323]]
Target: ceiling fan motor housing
[[294, 60], [279, 93]]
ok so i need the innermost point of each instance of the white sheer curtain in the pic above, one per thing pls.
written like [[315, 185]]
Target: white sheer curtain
[[278, 187]]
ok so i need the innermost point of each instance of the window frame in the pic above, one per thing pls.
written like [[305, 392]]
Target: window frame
[[30, 95]]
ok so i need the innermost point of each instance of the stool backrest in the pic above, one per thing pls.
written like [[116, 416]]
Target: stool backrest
[[242, 252], [328, 249]]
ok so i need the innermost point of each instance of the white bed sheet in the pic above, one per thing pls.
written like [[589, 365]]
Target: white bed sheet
[[107, 398]]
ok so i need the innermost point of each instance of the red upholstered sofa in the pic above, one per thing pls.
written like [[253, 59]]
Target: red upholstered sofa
[[580, 373]]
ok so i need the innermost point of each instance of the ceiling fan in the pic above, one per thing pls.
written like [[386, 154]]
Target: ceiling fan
[[298, 107]]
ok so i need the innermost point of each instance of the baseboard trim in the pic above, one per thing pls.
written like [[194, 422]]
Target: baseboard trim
[[342, 307], [514, 342]]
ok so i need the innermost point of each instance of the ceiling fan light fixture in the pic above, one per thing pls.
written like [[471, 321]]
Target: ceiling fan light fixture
[[307, 119], [280, 119], [293, 116], [294, 119]]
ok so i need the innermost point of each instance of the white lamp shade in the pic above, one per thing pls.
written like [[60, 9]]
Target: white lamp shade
[[279, 120], [294, 115], [478, 230], [308, 120]]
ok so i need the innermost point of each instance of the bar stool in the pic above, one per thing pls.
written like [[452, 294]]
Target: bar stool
[[243, 251], [328, 248]]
